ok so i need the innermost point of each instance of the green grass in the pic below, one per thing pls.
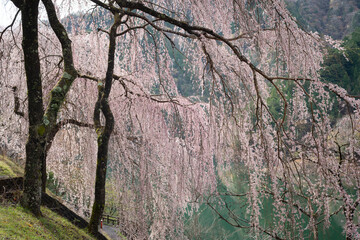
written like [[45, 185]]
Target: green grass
[[5, 170], [18, 223], [8, 168]]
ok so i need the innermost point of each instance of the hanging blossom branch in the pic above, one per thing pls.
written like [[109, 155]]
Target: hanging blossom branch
[[62, 124], [237, 224], [196, 32], [154, 97], [17, 104], [199, 33], [9, 26], [153, 20], [249, 80], [350, 204]]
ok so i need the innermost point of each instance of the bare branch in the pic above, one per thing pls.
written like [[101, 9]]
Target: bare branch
[[17, 103], [9, 26], [18, 3]]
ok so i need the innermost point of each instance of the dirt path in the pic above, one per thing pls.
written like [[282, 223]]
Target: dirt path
[[111, 232]]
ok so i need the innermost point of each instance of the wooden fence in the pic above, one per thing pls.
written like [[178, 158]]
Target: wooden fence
[[110, 220]]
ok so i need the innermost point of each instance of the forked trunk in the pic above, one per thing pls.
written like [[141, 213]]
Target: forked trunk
[[104, 133]]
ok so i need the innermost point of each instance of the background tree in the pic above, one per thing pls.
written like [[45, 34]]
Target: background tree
[[104, 133], [341, 67]]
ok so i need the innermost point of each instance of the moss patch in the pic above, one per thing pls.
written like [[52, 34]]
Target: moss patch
[[8, 168], [5, 170]]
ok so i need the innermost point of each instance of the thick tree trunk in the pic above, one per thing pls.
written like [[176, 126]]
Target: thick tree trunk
[[103, 133], [41, 125], [36, 141], [99, 203], [43, 172]]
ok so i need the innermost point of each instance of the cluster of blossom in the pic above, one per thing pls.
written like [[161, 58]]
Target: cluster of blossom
[[334, 43]]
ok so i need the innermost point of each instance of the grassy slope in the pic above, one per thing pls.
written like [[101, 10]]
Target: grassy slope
[[8, 168], [17, 223]]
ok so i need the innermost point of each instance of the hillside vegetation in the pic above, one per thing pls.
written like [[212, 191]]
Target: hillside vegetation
[[17, 223], [336, 18], [8, 168]]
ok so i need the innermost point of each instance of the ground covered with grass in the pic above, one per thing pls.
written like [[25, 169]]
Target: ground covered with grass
[[8, 168], [18, 223]]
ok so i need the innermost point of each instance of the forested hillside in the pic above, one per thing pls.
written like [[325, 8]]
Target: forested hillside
[[336, 18]]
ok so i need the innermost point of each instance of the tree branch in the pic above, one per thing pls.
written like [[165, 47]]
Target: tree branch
[[9, 26], [17, 103], [18, 3], [58, 93], [62, 123]]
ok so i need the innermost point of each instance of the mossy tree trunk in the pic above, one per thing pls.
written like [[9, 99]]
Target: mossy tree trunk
[[41, 123], [103, 133], [59, 92], [36, 136]]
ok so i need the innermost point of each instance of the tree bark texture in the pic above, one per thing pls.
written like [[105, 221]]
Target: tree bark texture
[[103, 133], [36, 137], [42, 124], [59, 92]]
